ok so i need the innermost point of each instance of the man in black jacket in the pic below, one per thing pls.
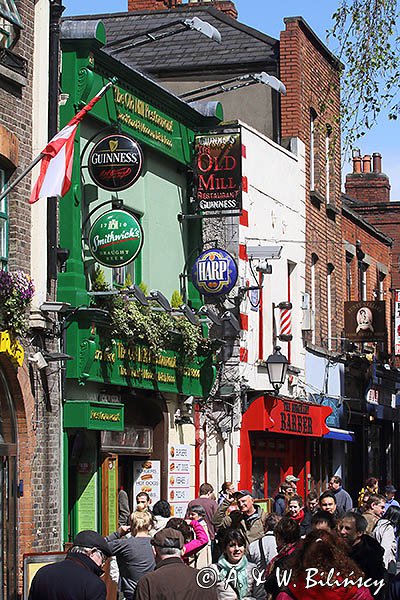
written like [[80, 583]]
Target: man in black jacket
[[78, 576], [366, 552]]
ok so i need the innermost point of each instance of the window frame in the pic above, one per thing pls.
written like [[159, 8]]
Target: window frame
[[4, 218]]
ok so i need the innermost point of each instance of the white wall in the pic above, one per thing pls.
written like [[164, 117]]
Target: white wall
[[39, 141], [276, 207]]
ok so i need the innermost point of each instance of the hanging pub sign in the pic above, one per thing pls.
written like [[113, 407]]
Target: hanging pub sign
[[218, 172], [365, 321], [214, 272], [115, 162], [115, 238]]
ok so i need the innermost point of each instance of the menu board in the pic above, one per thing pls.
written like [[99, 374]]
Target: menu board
[[179, 493], [147, 478]]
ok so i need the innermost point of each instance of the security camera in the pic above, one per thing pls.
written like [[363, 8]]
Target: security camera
[[39, 360], [264, 252]]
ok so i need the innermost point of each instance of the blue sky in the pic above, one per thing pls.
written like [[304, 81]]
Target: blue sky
[[268, 17]]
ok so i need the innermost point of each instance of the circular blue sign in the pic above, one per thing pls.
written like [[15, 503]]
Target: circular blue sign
[[214, 272]]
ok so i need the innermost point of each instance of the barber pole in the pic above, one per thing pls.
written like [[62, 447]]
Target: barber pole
[[285, 324]]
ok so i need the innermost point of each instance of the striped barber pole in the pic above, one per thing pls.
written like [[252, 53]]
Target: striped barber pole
[[285, 324]]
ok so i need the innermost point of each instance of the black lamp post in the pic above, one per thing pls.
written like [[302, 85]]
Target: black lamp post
[[277, 365]]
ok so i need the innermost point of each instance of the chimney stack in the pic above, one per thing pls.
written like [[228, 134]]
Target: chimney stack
[[364, 184], [225, 6]]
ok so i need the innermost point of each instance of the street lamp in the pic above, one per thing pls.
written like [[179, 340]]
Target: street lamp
[[277, 365]]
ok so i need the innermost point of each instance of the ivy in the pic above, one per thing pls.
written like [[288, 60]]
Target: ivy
[[137, 324]]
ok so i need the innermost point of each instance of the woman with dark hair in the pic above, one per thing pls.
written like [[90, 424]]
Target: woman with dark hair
[[161, 514], [319, 554], [235, 573], [287, 535], [386, 532], [370, 487], [193, 533]]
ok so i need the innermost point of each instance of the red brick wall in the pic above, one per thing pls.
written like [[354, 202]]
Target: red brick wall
[[311, 77], [225, 6], [380, 253], [368, 187]]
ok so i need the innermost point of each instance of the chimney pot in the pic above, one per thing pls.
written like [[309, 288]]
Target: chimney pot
[[366, 163], [377, 162], [356, 164]]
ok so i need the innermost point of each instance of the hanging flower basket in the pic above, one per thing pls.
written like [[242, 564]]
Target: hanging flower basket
[[16, 292]]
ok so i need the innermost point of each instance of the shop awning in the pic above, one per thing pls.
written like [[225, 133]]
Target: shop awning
[[340, 434]]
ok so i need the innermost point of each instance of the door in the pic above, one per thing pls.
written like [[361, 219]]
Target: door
[[8, 477]]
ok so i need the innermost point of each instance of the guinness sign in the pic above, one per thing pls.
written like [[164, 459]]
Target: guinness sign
[[115, 162]]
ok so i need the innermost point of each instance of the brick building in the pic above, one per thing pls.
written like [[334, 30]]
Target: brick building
[[373, 274], [29, 425]]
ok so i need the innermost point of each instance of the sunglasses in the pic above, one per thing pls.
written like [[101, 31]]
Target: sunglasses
[[101, 554]]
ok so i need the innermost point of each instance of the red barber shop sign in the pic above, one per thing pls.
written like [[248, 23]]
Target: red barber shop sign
[[299, 418]]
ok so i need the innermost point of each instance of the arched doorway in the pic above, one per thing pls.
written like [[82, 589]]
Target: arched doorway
[[8, 460]]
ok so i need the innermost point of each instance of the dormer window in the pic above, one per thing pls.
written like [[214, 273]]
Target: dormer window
[[10, 24]]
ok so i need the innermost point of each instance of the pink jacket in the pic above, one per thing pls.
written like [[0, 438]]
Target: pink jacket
[[201, 540]]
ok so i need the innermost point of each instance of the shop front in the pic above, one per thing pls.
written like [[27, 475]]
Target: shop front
[[278, 438], [135, 363]]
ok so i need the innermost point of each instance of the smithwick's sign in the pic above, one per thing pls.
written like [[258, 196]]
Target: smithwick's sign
[[115, 238], [300, 418], [218, 172], [115, 162], [214, 272], [365, 321]]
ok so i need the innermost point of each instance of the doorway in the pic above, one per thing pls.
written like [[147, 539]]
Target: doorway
[[8, 499]]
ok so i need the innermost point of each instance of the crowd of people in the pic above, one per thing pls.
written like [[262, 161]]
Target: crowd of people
[[229, 548]]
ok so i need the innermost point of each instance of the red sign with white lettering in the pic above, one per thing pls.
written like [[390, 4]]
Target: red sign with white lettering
[[296, 418]]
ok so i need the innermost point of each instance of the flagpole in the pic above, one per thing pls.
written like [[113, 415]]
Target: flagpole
[[5, 192], [20, 177]]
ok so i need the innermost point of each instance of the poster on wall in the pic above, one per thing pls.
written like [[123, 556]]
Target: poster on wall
[[179, 493], [147, 478], [218, 172]]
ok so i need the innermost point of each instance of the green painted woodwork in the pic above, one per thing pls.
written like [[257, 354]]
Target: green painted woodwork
[[99, 416], [136, 366], [165, 128]]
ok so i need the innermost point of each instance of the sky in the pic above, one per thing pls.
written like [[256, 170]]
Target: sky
[[268, 17]]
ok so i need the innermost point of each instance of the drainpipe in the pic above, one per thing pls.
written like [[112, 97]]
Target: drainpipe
[[56, 10]]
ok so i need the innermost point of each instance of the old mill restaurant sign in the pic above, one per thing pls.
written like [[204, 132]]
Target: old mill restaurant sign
[[218, 172], [137, 366], [115, 238], [115, 162]]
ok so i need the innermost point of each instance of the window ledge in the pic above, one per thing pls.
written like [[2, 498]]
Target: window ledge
[[332, 210], [316, 198], [13, 67]]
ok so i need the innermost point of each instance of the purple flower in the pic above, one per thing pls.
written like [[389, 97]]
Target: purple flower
[[6, 283]]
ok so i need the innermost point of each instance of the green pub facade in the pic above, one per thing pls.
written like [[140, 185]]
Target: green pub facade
[[119, 223]]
